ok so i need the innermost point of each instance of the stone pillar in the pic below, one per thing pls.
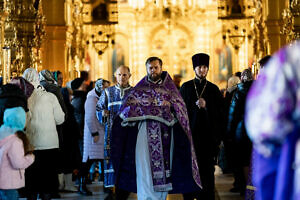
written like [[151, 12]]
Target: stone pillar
[[273, 20]]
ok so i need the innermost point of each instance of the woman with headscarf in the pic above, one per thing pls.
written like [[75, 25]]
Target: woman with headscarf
[[44, 114], [242, 146], [58, 77], [23, 84], [49, 83], [47, 80], [13, 157], [232, 83], [93, 146]]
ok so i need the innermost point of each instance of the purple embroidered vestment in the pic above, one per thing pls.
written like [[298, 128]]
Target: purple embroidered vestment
[[145, 103]]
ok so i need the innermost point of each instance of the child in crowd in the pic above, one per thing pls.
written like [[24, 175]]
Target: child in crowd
[[15, 154]]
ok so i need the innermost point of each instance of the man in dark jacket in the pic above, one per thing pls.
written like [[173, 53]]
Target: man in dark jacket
[[236, 132], [204, 102]]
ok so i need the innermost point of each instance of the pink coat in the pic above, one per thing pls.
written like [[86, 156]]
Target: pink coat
[[13, 162]]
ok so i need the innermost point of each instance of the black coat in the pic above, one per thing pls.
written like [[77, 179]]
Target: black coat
[[11, 96], [236, 130], [236, 126], [77, 102], [70, 157], [227, 103], [207, 125]]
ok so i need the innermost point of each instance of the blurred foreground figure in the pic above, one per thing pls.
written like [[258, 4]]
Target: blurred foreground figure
[[272, 120]]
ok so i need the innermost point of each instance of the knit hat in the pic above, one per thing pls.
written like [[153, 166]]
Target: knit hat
[[200, 59], [76, 83], [15, 118]]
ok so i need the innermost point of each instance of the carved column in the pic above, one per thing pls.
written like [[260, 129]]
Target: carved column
[[4, 69], [273, 20], [291, 20], [75, 42], [19, 34]]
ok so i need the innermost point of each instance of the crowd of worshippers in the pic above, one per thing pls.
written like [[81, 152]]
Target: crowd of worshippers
[[153, 139]]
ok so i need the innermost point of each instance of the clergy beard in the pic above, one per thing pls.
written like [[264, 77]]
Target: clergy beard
[[200, 77], [154, 78]]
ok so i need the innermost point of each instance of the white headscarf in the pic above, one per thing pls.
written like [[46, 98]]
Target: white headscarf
[[31, 75]]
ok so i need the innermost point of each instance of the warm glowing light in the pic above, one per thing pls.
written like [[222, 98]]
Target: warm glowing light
[[165, 3], [141, 4], [157, 3], [242, 58]]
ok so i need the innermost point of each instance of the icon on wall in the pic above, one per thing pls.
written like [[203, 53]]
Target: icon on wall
[[225, 63]]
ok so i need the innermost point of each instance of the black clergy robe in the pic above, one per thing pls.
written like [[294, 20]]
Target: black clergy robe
[[207, 125]]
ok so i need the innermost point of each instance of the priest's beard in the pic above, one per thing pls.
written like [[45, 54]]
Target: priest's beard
[[154, 77], [201, 77]]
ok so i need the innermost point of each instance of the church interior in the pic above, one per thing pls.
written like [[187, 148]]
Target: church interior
[[99, 35]]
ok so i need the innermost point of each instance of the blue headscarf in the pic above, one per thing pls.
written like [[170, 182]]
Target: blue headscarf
[[14, 120]]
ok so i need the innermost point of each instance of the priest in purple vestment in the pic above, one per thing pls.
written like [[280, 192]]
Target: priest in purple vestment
[[152, 146]]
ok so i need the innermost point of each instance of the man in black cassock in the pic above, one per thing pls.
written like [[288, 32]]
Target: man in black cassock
[[203, 100]]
